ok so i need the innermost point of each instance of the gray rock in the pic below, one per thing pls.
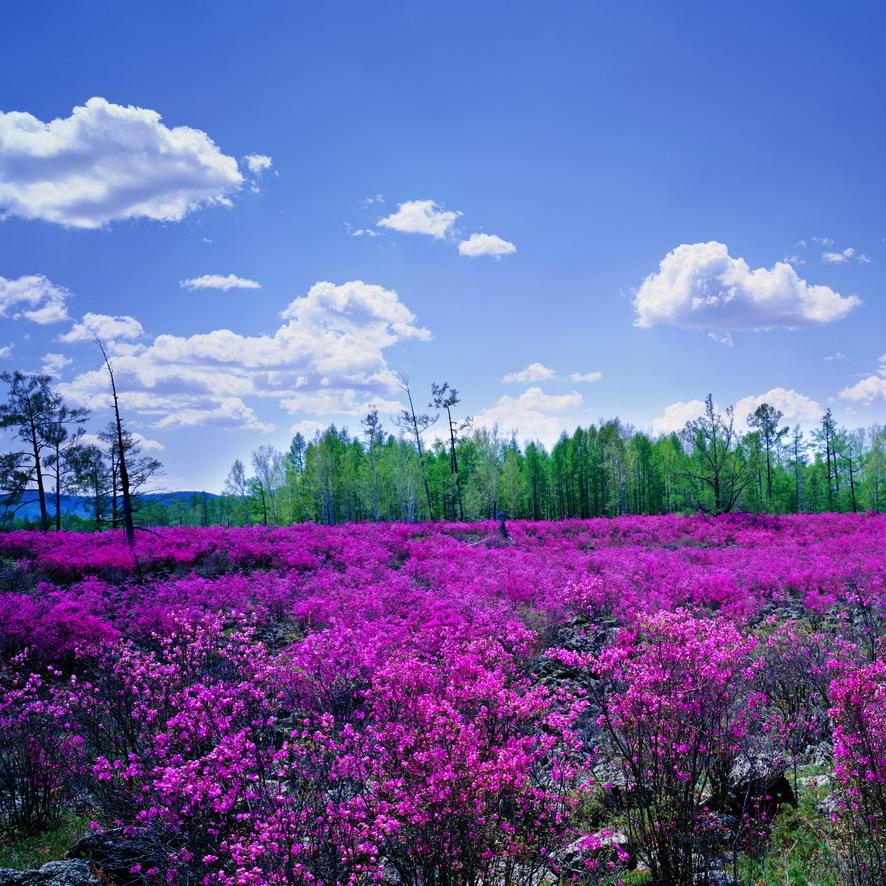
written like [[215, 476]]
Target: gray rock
[[55, 873]]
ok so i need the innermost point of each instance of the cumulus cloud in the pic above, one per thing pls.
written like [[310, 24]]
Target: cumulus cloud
[[871, 387], [331, 343], [676, 415], [533, 372], [700, 286], [796, 408], [53, 364], [534, 414], [33, 298], [587, 377], [103, 326], [108, 162], [219, 281], [485, 244], [420, 217]]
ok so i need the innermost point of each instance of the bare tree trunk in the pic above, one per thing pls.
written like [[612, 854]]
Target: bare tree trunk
[[124, 476]]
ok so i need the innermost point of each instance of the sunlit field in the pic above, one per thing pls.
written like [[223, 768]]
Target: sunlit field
[[668, 700]]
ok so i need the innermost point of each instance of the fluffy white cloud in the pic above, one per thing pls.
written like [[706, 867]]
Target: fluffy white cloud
[[146, 443], [676, 415], [533, 372], [219, 281], [796, 408], [105, 327], [108, 162], [258, 163], [327, 356], [33, 298], [53, 364], [587, 377], [700, 286], [871, 387], [534, 414], [420, 217], [485, 244]]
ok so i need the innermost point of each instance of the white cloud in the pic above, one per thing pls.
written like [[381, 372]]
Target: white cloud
[[33, 298], [722, 338], [218, 281], [533, 372], [420, 217], [54, 363], [587, 377], [823, 241], [796, 408], [258, 163], [5, 352], [106, 163], [145, 442], [676, 415], [833, 358], [534, 414], [331, 343], [365, 232], [485, 244], [845, 255], [700, 286], [871, 387], [796, 260], [105, 327]]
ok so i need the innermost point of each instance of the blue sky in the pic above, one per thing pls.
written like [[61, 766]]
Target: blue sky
[[639, 171]]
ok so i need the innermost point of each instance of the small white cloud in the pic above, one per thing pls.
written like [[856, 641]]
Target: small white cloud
[[533, 372], [796, 260], [485, 244], [534, 414], [871, 387], [420, 217], [700, 286], [587, 377], [33, 298], [376, 198], [54, 363], [833, 358], [219, 281], [796, 408], [676, 415], [844, 256], [365, 232], [823, 241], [145, 442], [105, 327], [721, 338], [258, 163], [5, 352], [108, 163], [863, 259]]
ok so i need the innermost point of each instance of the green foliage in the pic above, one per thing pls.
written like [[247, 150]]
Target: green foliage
[[33, 852]]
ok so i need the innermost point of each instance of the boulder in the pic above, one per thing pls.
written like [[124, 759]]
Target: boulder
[[55, 873]]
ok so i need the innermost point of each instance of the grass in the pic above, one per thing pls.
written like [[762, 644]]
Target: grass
[[801, 851], [33, 852]]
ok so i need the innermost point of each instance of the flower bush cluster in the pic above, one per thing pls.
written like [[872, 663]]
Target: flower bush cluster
[[432, 705]]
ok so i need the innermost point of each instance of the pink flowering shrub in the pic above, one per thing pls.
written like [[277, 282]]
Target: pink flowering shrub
[[858, 713], [338, 705], [675, 710]]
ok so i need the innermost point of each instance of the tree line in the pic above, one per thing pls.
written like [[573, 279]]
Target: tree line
[[418, 470], [711, 466]]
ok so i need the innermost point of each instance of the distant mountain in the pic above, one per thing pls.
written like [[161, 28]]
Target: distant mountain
[[77, 505]]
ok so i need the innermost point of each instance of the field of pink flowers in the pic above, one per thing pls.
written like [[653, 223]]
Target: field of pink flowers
[[436, 705]]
